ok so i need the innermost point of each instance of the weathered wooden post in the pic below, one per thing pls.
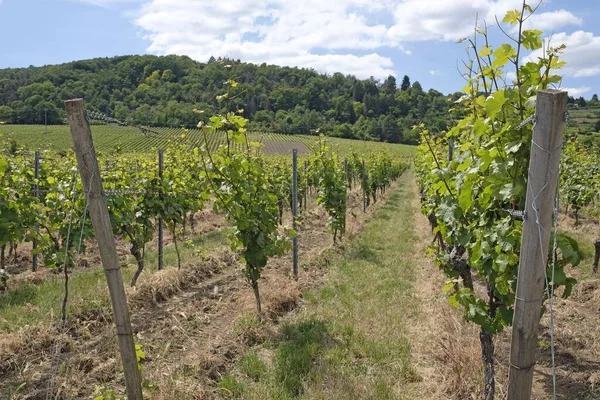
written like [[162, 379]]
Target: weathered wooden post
[[539, 206], [92, 185]]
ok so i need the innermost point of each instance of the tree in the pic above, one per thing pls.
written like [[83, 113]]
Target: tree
[[597, 126], [405, 85], [389, 86], [163, 91], [595, 97], [416, 88], [359, 91], [6, 114]]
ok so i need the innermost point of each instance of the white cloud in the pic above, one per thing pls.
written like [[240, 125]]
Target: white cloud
[[582, 53], [444, 20], [548, 21], [435, 72], [455, 19], [577, 92], [327, 35], [323, 35]]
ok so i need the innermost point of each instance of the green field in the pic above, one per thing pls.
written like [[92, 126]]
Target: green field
[[107, 138]]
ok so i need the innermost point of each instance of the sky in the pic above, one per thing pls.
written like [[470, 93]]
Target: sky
[[418, 38]]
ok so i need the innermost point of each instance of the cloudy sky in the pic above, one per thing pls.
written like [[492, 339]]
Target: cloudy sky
[[360, 37]]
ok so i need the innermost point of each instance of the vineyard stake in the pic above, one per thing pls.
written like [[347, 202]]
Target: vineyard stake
[[295, 211], [364, 178], [36, 193], [541, 189], [160, 221], [92, 184], [306, 179], [450, 149]]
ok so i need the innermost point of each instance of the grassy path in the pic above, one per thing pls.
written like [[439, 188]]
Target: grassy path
[[351, 338]]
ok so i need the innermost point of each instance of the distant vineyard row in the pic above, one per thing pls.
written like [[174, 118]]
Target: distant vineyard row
[[109, 138]]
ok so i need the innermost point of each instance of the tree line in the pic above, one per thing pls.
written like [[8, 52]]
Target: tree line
[[171, 90]]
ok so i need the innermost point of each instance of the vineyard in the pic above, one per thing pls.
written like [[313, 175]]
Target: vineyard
[[45, 215], [235, 264], [478, 192], [134, 140]]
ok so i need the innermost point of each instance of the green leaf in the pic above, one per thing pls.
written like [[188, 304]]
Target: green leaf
[[448, 287], [532, 39], [464, 198], [569, 249], [485, 51], [502, 55], [512, 17], [494, 103]]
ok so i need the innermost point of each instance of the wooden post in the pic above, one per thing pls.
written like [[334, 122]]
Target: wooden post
[[539, 205], [92, 185], [450, 149], [36, 193], [160, 221], [295, 211]]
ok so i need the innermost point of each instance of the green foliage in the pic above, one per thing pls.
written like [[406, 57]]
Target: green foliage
[[162, 91], [580, 182], [466, 198], [332, 189], [239, 180]]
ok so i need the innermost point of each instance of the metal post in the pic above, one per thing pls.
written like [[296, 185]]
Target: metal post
[[364, 179], [160, 221], [306, 188], [539, 205], [346, 172], [36, 193], [295, 211]]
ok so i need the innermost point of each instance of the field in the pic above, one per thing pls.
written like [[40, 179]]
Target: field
[[131, 140]]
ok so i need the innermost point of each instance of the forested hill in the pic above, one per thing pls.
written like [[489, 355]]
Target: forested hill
[[163, 91]]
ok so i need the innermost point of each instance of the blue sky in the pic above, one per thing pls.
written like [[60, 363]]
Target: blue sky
[[360, 37]]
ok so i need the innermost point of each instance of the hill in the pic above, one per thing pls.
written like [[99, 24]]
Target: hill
[[164, 91]]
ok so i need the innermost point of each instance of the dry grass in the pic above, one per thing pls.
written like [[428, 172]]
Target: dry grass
[[445, 348], [192, 323]]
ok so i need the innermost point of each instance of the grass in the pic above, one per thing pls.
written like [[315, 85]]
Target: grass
[[131, 140], [31, 304], [350, 339]]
